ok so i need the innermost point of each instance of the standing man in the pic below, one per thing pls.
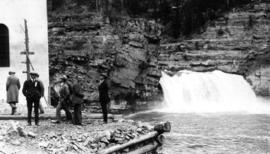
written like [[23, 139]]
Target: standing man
[[64, 100], [12, 87], [33, 91], [77, 100], [104, 97]]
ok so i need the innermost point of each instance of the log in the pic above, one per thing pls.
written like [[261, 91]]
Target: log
[[156, 135], [147, 148], [161, 128], [79, 146], [167, 126], [160, 139], [130, 143]]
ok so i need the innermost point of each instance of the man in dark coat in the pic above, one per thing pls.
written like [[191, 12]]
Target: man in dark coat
[[77, 100], [64, 100], [104, 97], [33, 91], [12, 86]]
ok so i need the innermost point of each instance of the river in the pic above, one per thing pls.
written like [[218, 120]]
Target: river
[[212, 112], [215, 133]]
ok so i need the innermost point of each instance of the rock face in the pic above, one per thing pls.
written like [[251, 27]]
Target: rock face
[[231, 43], [84, 46], [132, 51]]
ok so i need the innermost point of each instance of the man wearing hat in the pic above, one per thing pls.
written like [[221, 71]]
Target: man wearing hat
[[104, 98], [33, 91], [64, 100], [77, 101], [12, 88]]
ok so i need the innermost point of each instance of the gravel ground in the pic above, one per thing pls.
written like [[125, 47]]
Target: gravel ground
[[17, 137]]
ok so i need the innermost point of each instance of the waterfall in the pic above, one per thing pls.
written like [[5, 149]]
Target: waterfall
[[215, 91]]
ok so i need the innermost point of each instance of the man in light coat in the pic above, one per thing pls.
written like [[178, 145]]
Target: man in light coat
[[12, 88]]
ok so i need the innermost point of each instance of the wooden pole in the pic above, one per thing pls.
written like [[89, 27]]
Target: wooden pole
[[155, 138], [122, 7], [130, 143], [147, 148], [97, 6], [100, 7], [27, 50]]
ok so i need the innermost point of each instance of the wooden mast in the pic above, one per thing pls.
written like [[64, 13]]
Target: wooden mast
[[26, 52]]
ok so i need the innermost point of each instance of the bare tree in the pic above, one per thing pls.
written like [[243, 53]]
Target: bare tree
[[122, 7]]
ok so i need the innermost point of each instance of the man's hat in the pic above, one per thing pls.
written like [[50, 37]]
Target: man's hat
[[11, 72], [34, 73], [104, 75], [64, 77]]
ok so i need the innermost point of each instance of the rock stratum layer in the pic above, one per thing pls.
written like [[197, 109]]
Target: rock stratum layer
[[132, 52], [83, 46], [237, 42]]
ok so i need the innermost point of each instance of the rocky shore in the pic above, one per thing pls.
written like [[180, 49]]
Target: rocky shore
[[16, 137]]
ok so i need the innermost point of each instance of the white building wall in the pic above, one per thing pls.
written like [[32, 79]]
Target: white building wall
[[12, 14]]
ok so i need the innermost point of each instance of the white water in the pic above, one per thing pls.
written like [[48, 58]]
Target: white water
[[215, 91]]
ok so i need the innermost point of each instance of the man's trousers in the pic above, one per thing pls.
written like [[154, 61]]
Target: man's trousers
[[30, 103]]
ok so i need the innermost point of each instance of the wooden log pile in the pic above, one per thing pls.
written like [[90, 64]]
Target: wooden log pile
[[143, 144]]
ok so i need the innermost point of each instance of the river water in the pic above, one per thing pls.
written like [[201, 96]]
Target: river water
[[213, 112], [215, 133]]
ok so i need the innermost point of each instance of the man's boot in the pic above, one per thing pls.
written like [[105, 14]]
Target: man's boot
[[12, 108], [56, 121], [13, 111]]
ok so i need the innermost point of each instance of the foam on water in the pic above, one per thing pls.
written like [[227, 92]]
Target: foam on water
[[215, 91]]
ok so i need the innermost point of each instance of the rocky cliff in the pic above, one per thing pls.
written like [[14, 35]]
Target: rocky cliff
[[85, 46], [237, 42], [132, 52]]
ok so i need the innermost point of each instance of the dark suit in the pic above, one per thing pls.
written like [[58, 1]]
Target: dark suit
[[77, 100], [104, 99], [33, 91], [64, 102]]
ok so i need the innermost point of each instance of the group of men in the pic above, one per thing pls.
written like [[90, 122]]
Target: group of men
[[70, 95]]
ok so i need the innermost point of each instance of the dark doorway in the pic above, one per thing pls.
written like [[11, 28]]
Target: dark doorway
[[4, 46]]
